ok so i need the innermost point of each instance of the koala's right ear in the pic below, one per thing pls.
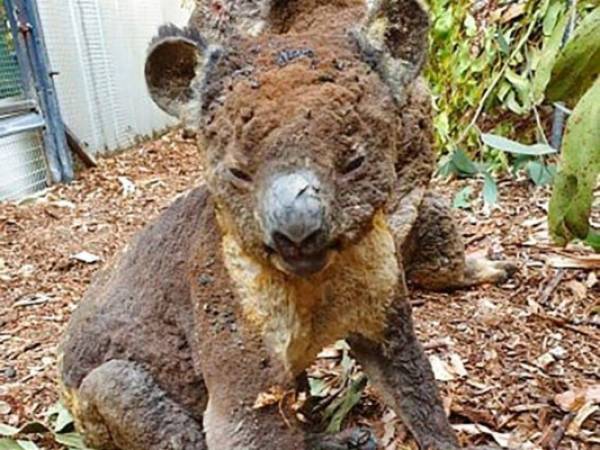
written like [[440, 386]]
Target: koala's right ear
[[176, 59]]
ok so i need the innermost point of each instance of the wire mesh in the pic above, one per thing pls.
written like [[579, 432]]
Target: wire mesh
[[22, 161], [22, 165], [10, 75]]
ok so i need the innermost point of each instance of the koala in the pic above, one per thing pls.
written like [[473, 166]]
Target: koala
[[314, 128]]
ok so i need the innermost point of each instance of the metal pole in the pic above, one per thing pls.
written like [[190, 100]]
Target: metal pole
[[17, 26], [47, 89]]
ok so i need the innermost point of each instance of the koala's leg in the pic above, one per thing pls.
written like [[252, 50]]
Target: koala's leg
[[121, 408], [399, 368], [434, 253]]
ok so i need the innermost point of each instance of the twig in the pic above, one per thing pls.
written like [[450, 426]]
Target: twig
[[436, 343], [562, 322], [560, 431], [496, 80], [281, 407], [551, 287]]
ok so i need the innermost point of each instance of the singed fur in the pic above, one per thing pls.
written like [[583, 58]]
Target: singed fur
[[176, 341], [299, 317]]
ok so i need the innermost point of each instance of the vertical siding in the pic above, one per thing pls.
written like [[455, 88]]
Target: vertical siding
[[99, 47]]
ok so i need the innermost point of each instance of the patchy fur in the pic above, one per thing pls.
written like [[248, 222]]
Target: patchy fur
[[299, 317], [213, 305]]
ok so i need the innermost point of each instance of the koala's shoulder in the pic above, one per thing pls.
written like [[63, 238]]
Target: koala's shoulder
[[145, 290]]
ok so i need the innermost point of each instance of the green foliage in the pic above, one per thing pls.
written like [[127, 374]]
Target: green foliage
[[578, 65], [572, 197], [489, 68], [565, 76], [459, 164], [510, 146], [61, 428]]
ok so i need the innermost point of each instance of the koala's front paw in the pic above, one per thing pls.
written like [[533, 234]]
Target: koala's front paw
[[353, 439], [482, 270]]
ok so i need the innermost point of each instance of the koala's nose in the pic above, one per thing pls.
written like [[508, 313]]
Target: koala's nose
[[294, 216]]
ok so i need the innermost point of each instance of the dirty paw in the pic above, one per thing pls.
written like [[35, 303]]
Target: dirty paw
[[483, 270], [353, 439], [507, 270]]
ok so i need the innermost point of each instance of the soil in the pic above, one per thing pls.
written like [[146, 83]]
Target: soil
[[501, 354]]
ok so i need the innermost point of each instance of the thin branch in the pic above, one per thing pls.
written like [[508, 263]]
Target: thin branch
[[497, 79]]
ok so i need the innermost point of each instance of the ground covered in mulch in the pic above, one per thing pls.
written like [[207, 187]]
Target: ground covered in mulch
[[518, 364]]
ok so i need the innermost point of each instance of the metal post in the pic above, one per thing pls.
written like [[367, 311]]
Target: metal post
[[44, 76], [26, 23], [17, 22]]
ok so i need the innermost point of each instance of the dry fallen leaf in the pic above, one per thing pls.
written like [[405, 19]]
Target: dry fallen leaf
[[441, 370], [584, 413], [272, 397], [458, 366], [591, 262], [573, 400], [502, 439], [127, 186], [86, 257]]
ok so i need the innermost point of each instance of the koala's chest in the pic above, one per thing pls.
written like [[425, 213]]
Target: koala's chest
[[298, 318]]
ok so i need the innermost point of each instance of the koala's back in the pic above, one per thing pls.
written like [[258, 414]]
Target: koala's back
[[139, 309]]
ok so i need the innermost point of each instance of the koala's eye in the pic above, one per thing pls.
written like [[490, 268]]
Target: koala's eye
[[240, 175], [353, 165]]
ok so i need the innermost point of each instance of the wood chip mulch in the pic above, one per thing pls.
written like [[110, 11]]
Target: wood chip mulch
[[518, 364]]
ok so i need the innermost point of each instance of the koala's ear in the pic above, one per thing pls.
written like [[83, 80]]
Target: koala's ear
[[394, 38], [175, 59]]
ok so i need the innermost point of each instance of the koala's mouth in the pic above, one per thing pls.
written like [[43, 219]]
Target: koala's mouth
[[302, 266]]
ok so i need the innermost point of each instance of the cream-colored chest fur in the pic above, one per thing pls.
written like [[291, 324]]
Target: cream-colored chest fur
[[298, 317]]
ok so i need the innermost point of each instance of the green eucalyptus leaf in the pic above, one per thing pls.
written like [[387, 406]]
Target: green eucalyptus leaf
[[462, 199], [71, 440], [503, 43], [9, 444], [593, 240], [513, 104], [578, 64], [318, 387], [463, 163], [28, 445], [446, 168], [64, 420], [510, 146], [490, 190], [540, 173], [547, 60], [551, 17], [7, 430], [520, 83], [573, 193], [348, 400]]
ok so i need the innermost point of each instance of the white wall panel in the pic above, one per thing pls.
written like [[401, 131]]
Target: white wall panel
[[99, 48]]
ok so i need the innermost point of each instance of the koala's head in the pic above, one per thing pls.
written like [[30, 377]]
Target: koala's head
[[299, 132]]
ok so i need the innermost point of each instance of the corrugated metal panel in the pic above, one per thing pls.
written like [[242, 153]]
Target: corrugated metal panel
[[99, 48]]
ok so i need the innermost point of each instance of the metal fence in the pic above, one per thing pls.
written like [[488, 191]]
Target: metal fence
[[22, 163], [98, 48], [33, 149], [86, 57]]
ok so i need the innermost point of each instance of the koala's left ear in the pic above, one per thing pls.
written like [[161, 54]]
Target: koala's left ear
[[394, 38], [176, 59]]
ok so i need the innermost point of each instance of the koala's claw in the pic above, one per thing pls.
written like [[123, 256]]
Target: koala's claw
[[353, 439]]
